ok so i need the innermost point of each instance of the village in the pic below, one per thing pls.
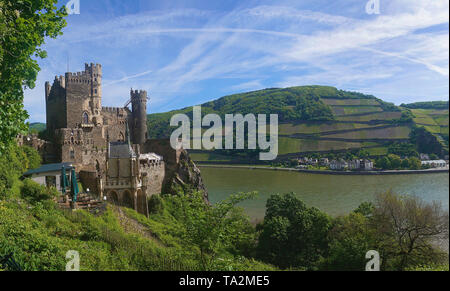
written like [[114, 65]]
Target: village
[[424, 162]]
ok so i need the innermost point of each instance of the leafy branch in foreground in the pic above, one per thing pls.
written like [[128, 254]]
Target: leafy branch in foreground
[[24, 25]]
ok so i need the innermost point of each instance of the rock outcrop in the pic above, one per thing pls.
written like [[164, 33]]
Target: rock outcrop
[[181, 173]]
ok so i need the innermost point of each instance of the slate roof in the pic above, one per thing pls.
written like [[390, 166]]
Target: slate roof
[[49, 168]]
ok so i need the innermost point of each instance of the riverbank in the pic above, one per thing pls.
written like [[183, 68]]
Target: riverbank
[[328, 172]]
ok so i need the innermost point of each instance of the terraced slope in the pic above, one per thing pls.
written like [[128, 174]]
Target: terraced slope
[[312, 119], [435, 121]]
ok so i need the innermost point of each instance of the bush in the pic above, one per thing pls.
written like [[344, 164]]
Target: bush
[[33, 191], [155, 204], [34, 160]]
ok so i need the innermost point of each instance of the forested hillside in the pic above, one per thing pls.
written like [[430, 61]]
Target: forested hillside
[[320, 119]]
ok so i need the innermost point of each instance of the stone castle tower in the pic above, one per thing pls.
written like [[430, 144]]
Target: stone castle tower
[[139, 116], [81, 127]]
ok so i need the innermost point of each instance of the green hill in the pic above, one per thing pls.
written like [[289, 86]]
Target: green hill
[[37, 127], [318, 119]]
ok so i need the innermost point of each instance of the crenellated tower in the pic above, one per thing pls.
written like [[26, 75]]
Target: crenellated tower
[[139, 116], [75, 99]]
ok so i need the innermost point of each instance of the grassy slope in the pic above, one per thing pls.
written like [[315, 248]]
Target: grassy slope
[[40, 234]]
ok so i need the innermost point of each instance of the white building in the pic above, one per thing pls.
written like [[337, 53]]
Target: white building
[[338, 165], [49, 175], [435, 163]]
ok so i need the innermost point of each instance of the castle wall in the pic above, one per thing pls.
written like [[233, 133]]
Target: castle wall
[[90, 181], [114, 120], [56, 105], [154, 178]]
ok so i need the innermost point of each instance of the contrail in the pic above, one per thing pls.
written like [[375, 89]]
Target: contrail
[[127, 78]]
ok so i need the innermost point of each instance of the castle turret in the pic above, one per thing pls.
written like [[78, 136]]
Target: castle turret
[[139, 116]]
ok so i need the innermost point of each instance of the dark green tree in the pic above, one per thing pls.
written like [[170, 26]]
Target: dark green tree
[[293, 235], [414, 163], [395, 161]]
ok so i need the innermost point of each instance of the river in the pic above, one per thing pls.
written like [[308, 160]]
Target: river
[[333, 194]]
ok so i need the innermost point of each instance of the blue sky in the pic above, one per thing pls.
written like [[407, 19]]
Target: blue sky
[[188, 52]]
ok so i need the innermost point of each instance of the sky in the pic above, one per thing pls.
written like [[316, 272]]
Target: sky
[[189, 52]]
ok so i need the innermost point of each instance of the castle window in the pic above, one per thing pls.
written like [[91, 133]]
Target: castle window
[[85, 118], [72, 154], [95, 91]]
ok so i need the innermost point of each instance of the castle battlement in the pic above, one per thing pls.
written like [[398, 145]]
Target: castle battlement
[[113, 109]]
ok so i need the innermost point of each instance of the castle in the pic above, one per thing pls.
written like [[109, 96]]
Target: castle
[[109, 146]]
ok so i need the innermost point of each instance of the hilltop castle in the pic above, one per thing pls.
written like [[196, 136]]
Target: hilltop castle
[[109, 146], [80, 126]]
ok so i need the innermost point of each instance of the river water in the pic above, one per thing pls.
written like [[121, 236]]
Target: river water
[[333, 194]]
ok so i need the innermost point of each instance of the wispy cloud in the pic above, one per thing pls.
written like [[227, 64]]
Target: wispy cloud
[[187, 56]]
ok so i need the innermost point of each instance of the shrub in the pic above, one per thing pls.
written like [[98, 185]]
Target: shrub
[[33, 191], [155, 204]]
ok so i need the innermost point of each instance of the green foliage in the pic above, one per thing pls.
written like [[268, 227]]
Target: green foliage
[[35, 192], [34, 159], [429, 268], [425, 142], [155, 204], [210, 228], [383, 163], [13, 164], [350, 239], [293, 235], [405, 229], [365, 209], [291, 104], [403, 149], [23, 28], [37, 127], [395, 162], [427, 105]]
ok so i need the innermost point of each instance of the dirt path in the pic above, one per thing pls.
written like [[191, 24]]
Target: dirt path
[[130, 225]]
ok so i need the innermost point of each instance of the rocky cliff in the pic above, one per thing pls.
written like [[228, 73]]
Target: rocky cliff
[[181, 173]]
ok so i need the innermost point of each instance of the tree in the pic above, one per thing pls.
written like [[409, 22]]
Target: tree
[[350, 239], [434, 157], [395, 161], [405, 164], [363, 154], [406, 228], [414, 163], [24, 25], [293, 235], [211, 228], [383, 163], [365, 209]]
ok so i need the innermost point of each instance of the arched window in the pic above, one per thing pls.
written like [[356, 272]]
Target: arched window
[[85, 118]]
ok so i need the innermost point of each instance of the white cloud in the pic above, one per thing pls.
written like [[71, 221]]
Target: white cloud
[[281, 45]]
